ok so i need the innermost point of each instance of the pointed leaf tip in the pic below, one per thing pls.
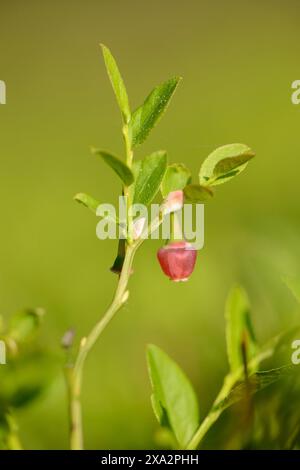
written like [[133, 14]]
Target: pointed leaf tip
[[116, 82], [117, 165], [87, 201]]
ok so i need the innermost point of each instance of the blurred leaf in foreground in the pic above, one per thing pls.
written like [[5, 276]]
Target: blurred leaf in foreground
[[25, 377], [25, 324]]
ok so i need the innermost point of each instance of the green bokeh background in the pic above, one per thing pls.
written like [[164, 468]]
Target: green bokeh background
[[238, 60]]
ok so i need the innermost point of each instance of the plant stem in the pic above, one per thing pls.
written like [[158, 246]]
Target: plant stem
[[126, 191], [74, 409], [128, 147], [213, 415], [74, 373]]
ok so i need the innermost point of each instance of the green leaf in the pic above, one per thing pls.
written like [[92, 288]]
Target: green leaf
[[117, 165], [225, 167], [25, 324], [239, 331], [147, 115], [174, 399], [164, 439], [150, 173], [224, 163], [87, 201], [117, 83], [194, 193], [176, 178]]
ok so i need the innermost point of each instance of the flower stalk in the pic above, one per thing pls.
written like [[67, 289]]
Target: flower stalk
[[74, 373]]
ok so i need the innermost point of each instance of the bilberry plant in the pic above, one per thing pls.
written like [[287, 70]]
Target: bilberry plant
[[141, 181]]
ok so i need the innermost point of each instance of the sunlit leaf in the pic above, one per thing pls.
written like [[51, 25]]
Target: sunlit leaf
[[150, 173], [149, 113], [117, 82], [224, 163], [174, 400], [87, 201]]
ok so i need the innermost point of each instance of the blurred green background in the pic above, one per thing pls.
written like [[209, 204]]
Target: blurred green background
[[238, 60]]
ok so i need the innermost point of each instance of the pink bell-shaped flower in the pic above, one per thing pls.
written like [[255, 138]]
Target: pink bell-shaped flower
[[177, 260], [173, 202]]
